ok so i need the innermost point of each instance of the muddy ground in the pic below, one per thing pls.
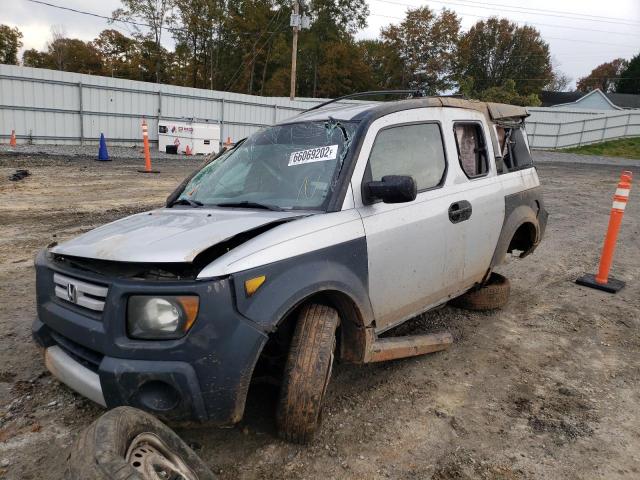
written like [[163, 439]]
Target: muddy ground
[[547, 388]]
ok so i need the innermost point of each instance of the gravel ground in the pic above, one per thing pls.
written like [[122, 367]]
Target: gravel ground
[[544, 156], [88, 151], [547, 388]]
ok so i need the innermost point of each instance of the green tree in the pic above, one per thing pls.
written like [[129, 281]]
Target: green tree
[[505, 93], [421, 50], [9, 44], [496, 50], [630, 77], [604, 76]]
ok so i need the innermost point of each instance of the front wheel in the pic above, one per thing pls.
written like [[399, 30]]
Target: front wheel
[[128, 444], [307, 373]]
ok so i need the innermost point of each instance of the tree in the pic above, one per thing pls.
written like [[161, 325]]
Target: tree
[[9, 44], [505, 93], [559, 82], [149, 19], [67, 54], [496, 50], [604, 76], [117, 52], [420, 52], [630, 77]]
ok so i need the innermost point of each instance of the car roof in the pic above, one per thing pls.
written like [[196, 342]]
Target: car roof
[[494, 112]]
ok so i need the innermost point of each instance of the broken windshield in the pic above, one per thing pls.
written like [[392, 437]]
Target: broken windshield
[[290, 166]]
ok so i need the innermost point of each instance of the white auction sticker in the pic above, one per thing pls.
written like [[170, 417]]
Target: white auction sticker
[[319, 154]]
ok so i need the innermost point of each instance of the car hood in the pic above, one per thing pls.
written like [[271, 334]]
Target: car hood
[[174, 235]]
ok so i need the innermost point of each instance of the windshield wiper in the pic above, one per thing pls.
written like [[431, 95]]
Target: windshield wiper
[[186, 201], [247, 204]]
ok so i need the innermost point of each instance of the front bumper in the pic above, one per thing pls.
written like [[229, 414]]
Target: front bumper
[[203, 376]]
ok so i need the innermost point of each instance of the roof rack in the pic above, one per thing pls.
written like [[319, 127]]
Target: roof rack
[[411, 93]]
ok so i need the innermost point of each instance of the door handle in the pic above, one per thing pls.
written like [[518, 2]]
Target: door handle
[[460, 211]]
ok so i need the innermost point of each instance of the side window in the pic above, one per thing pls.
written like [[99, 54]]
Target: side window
[[415, 150], [514, 148], [472, 150]]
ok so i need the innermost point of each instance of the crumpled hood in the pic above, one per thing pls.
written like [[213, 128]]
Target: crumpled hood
[[168, 235]]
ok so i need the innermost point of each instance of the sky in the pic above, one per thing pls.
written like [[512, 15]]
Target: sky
[[581, 33]]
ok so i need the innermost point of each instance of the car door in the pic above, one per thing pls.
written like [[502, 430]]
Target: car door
[[407, 243], [480, 189]]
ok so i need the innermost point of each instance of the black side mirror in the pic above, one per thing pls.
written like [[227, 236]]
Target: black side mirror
[[393, 189]]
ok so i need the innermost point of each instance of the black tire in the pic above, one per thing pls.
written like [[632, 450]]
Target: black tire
[[307, 373], [494, 294], [100, 451]]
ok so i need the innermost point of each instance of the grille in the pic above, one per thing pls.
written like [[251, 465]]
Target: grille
[[79, 292], [87, 357]]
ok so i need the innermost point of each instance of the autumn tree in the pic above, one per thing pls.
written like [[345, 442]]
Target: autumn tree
[[66, 54], [559, 82], [118, 53], [604, 76], [630, 77], [420, 52], [496, 50], [9, 44], [149, 19]]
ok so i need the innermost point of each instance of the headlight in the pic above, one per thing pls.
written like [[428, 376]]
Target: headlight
[[161, 317]]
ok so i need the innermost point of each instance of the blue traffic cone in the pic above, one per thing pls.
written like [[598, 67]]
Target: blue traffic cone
[[102, 151]]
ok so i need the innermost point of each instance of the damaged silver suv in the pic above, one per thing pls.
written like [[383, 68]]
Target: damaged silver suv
[[299, 246]]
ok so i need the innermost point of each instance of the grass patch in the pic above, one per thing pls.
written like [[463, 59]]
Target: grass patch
[[625, 148]]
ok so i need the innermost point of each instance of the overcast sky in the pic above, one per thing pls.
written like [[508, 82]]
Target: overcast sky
[[582, 33]]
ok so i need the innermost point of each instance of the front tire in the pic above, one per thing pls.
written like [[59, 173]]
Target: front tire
[[307, 373]]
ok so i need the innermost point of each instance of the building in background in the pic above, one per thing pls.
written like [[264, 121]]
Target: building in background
[[594, 100]]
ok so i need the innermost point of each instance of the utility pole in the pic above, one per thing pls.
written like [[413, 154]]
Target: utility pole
[[295, 23]]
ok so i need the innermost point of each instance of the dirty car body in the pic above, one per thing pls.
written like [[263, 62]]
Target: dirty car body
[[285, 217]]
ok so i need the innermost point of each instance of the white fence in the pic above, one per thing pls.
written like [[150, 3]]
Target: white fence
[[550, 128], [49, 106]]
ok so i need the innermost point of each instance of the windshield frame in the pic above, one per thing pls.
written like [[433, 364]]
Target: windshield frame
[[336, 187]]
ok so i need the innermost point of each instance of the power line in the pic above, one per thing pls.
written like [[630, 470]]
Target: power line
[[243, 66], [532, 23], [548, 12], [546, 37], [104, 17]]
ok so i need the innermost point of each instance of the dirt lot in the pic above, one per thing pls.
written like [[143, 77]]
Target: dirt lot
[[547, 388]]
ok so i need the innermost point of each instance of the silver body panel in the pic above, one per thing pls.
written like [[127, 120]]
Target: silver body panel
[[74, 375], [289, 240], [168, 235]]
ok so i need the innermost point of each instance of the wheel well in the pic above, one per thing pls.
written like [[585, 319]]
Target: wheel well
[[351, 341], [524, 239]]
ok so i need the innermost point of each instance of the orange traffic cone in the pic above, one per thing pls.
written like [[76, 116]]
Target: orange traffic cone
[[12, 142], [602, 280], [187, 151], [228, 143], [147, 153]]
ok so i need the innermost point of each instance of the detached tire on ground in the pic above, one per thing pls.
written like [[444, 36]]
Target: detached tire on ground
[[307, 373], [493, 295], [128, 444]]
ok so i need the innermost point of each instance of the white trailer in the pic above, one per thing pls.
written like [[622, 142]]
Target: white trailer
[[201, 136]]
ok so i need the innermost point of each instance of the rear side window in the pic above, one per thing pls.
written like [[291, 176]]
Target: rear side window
[[472, 150], [517, 154], [416, 150]]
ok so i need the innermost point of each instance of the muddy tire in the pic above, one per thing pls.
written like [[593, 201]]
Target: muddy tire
[[493, 295], [126, 444], [307, 373]]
